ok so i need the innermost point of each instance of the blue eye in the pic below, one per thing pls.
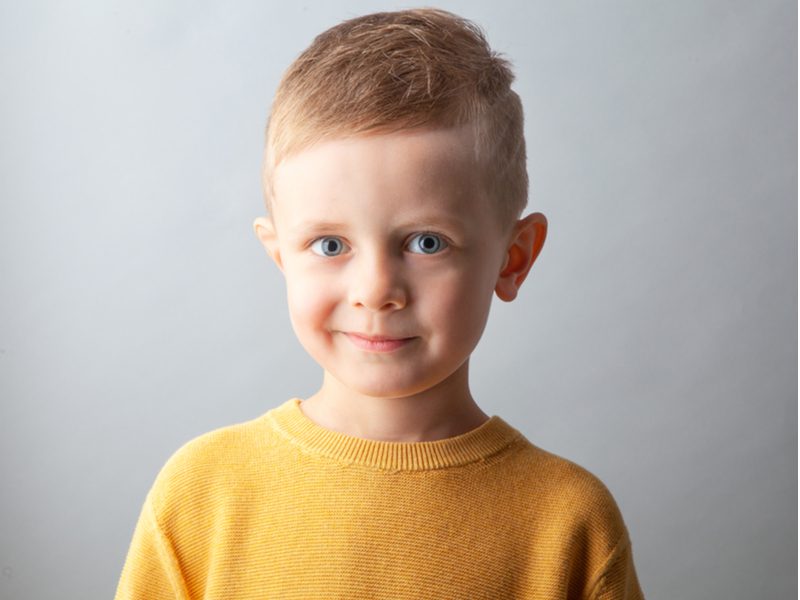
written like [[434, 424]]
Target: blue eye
[[328, 246], [426, 243]]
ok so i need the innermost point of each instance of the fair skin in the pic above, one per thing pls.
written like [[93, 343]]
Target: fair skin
[[391, 255]]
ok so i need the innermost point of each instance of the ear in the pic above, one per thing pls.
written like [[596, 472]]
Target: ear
[[268, 236], [527, 239]]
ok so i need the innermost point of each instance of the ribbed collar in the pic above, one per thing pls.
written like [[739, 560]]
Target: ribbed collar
[[490, 437]]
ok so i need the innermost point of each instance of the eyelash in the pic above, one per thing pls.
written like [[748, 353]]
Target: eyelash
[[316, 245], [443, 244]]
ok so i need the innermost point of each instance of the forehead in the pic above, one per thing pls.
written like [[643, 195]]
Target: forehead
[[431, 168]]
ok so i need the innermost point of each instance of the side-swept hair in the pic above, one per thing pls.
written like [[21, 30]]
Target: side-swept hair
[[391, 71]]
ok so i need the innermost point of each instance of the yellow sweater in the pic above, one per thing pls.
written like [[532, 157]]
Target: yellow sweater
[[280, 507]]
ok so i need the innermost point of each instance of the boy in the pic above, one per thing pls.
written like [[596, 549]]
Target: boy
[[395, 176]]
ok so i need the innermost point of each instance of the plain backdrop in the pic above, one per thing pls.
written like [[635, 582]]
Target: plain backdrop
[[655, 342]]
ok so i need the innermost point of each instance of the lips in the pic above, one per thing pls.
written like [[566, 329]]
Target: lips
[[377, 343]]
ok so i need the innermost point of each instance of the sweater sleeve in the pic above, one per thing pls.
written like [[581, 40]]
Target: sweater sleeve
[[151, 570], [618, 580]]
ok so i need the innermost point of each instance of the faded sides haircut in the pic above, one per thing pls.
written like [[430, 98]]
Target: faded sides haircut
[[394, 71]]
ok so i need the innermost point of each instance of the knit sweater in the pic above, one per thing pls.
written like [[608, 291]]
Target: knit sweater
[[281, 508]]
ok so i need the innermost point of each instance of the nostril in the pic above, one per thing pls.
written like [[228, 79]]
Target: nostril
[[376, 297], [377, 283]]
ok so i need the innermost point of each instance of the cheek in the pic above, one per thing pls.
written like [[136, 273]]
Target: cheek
[[309, 302], [461, 301]]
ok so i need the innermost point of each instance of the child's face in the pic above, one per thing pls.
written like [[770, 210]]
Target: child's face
[[390, 255]]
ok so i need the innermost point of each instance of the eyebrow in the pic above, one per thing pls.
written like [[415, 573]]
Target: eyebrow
[[446, 221], [315, 227], [434, 221]]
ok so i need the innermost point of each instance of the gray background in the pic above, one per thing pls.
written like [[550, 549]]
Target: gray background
[[655, 342]]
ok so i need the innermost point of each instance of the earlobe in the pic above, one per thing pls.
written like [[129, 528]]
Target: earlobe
[[526, 243], [265, 231]]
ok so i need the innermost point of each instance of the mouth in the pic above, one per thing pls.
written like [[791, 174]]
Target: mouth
[[377, 343]]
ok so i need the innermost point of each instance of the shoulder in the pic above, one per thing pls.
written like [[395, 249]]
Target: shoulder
[[554, 474], [576, 484], [573, 497], [207, 465], [572, 512]]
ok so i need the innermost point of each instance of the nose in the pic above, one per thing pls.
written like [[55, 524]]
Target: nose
[[377, 282]]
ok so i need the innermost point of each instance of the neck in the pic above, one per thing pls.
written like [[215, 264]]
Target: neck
[[443, 411]]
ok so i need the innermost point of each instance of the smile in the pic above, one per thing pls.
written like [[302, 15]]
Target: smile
[[377, 343]]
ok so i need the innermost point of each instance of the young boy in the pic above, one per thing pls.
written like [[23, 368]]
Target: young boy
[[395, 177]]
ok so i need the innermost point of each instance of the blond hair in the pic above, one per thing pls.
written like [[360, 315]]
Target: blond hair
[[390, 71]]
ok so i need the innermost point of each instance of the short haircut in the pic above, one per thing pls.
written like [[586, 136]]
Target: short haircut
[[392, 71]]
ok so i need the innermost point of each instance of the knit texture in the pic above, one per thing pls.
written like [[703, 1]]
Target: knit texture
[[282, 508]]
